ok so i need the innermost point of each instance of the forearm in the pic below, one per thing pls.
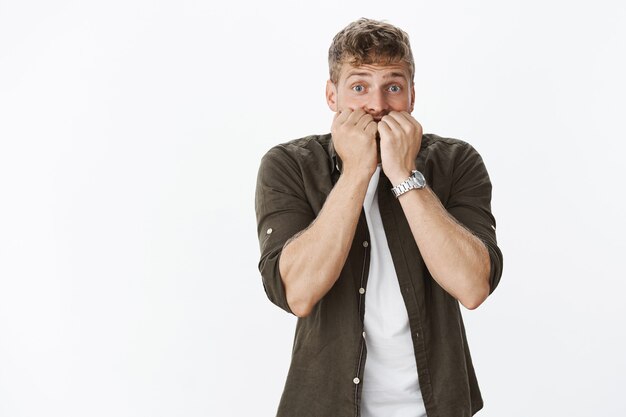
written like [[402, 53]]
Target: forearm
[[455, 258], [311, 262]]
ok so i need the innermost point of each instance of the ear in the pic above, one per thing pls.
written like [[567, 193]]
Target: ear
[[412, 97], [331, 95]]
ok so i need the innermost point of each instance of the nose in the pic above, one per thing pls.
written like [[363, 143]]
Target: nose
[[377, 104]]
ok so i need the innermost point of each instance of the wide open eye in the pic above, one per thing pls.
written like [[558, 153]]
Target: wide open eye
[[394, 88], [358, 88]]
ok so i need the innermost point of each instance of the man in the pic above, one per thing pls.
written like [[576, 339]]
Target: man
[[372, 235]]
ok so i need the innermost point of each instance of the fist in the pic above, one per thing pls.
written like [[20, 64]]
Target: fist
[[354, 139], [400, 141]]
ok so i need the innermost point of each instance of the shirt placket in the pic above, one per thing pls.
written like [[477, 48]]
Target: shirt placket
[[362, 239]]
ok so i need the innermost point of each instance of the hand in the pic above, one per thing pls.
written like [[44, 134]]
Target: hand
[[400, 141], [354, 139]]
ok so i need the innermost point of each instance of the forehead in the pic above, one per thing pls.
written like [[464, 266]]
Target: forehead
[[385, 71]]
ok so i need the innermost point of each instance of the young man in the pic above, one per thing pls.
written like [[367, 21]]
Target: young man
[[372, 235]]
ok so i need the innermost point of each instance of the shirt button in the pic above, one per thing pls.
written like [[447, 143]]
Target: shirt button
[[269, 231], [363, 334], [361, 290], [356, 381], [417, 334], [365, 244]]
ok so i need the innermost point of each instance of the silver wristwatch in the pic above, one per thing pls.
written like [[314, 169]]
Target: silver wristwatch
[[415, 181]]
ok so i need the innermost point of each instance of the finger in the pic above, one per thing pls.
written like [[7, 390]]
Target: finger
[[393, 124], [384, 128], [418, 126], [365, 119], [405, 120], [371, 128], [342, 115], [407, 116], [355, 116]]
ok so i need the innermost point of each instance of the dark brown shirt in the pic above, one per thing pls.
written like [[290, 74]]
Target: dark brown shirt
[[329, 352]]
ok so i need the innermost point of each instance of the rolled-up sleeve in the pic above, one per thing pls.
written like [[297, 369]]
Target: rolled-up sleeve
[[470, 204], [282, 211]]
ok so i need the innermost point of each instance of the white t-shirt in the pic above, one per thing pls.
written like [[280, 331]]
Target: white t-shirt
[[390, 385]]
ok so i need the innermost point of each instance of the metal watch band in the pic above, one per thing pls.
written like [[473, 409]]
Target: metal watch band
[[415, 181]]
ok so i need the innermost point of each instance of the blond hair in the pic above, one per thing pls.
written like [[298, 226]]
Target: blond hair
[[368, 41]]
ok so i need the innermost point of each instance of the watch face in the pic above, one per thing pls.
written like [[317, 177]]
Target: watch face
[[419, 178]]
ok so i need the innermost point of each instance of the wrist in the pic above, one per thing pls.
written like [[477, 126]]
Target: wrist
[[398, 176], [359, 170], [357, 176]]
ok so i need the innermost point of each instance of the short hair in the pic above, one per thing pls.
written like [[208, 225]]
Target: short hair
[[367, 41]]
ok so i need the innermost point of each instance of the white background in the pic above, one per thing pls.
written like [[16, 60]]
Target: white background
[[131, 133]]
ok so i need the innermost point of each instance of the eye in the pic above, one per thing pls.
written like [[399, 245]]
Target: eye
[[358, 88], [394, 88]]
